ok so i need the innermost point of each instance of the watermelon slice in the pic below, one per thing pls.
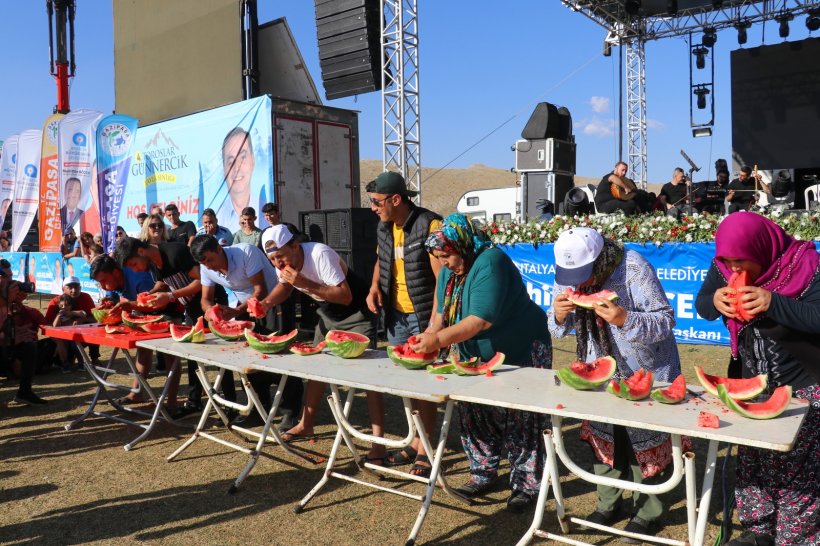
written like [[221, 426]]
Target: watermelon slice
[[405, 357], [614, 387], [306, 349], [708, 420], [738, 280], [229, 330], [480, 369], [771, 408], [270, 343], [136, 321], [588, 375], [255, 308], [739, 389], [182, 333], [346, 344], [673, 394], [443, 367], [155, 327], [214, 313], [114, 329], [637, 387], [589, 301]]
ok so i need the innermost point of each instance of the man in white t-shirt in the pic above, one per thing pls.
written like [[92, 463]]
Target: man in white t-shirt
[[316, 270]]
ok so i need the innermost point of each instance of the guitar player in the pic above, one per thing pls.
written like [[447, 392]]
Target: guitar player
[[616, 192]]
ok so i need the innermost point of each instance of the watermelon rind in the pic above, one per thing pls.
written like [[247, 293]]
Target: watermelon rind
[[614, 387], [739, 389], [630, 387], [673, 394], [349, 348], [182, 334], [444, 367], [482, 368], [408, 363], [217, 328], [279, 344], [306, 349], [135, 321], [604, 369], [104, 316], [771, 408], [155, 327], [588, 301], [198, 332]]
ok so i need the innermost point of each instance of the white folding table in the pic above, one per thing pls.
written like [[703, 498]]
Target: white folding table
[[537, 390], [373, 371]]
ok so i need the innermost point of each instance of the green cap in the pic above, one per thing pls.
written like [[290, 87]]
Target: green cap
[[391, 183]]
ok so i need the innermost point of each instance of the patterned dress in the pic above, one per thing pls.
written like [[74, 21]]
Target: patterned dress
[[645, 341]]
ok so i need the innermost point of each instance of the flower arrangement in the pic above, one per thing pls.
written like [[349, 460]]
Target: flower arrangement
[[654, 229]]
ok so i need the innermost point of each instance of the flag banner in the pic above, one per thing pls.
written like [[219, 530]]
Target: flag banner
[[47, 269], [115, 139], [681, 269], [80, 268], [77, 137], [18, 264], [26, 185], [49, 213], [8, 173], [219, 159]]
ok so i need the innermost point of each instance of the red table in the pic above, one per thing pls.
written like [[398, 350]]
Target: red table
[[95, 334]]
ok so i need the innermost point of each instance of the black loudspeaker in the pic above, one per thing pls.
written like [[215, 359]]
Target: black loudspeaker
[[548, 121], [349, 33]]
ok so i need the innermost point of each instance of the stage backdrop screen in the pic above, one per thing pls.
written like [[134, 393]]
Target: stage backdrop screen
[[173, 58], [776, 105]]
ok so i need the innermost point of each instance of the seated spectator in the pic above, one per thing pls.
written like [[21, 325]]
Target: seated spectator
[[154, 230], [210, 227], [19, 336], [70, 247], [248, 232], [72, 307]]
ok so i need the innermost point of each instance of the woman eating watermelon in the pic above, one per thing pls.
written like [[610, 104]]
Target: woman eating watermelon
[[773, 317], [483, 308], [637, 332]]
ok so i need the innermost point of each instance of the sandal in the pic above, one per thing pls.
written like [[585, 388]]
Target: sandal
[[401, 457], [419, 469], [289, 437]]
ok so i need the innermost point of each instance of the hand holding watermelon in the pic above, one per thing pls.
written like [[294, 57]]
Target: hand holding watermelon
[[562, 307], [611, 312], [256, 308], [154, 302], [425, 342]]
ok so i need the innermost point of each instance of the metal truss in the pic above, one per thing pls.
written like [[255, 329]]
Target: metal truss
[[636, 110], [691, 15], [400, 91]]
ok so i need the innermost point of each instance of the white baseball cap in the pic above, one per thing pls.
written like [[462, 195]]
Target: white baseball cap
[[71, 280], [275, 237], [575, 253]]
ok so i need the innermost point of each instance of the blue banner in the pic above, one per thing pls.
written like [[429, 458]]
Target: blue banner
[[80, 268], [46, 271], [681, 269], [18, 264], [115, 138]]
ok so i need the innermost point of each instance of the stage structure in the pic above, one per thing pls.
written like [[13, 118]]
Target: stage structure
[[632, 23]]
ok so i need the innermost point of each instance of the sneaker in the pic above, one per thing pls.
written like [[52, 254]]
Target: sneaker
[[598, 517], [750, 538], [183, 410], [29, 399], [519, 502], [473, 489], [251, 420], [637, 525]]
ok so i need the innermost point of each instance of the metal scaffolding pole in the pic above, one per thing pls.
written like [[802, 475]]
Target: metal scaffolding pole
[[636, 110], [400, 91]]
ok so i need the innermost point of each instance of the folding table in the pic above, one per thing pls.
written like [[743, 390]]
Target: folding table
[[373, 371], [538, 390], [95, 334]]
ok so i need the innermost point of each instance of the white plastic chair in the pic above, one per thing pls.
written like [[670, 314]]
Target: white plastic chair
[[811, 194]]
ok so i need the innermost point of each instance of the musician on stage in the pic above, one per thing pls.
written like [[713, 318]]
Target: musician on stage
[[616, 192], [742, 193], [674, 194], [714, 198]]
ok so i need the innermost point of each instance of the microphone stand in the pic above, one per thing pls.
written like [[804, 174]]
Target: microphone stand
[[692, 169]]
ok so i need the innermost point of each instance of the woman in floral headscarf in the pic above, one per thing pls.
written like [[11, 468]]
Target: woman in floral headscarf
[[778, 494], [484, 308]]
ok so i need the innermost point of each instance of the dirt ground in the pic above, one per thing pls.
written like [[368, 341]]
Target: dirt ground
[[81, 487]]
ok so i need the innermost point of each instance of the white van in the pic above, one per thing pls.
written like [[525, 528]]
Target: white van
[[491, 205]]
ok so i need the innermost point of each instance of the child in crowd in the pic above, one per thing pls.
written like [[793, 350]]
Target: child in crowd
[[65, 317]]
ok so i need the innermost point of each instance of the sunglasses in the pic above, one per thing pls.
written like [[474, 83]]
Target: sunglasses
[[379, 202], [156, 226]]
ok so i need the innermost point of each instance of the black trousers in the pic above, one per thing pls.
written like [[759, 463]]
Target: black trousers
[[26, 353]]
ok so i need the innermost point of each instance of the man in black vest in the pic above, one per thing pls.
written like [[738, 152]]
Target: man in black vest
[[404, 282]]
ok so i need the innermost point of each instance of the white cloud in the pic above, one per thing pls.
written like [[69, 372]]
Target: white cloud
[[599, 104], [655, 124], [598, 127]]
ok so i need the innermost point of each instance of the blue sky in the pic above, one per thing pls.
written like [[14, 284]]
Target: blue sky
[[479, 67]]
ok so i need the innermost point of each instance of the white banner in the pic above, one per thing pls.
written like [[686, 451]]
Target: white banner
[[8, 173], [26, 185], [78, 155]]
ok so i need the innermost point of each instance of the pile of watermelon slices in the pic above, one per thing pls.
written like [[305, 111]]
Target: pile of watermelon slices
[[229, 330], [734, 394]]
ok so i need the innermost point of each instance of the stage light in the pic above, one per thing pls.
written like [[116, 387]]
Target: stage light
[[607, 49], [813, 20], [700, 92], [632, 7], [700, 53], [717, 4], [701, 132], [709, 37], [784, 19], [741, 27]]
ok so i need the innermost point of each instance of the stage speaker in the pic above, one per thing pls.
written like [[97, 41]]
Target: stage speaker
[[547, 154], [541, 186], [548, 121], [349, 33]]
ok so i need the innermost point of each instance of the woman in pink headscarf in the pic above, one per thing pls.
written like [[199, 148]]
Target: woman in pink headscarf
[[778, 494]]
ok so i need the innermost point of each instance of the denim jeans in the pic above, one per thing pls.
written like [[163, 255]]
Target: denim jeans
[[401, 326]]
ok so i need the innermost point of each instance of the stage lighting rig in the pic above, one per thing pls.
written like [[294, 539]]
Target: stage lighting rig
[[701, 91], [700, 53], [705, 131], [813, 20], [741, 27], [784, 19], [709, 37]]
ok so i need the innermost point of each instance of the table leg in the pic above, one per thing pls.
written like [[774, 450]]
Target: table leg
[[101, 387], [159, 409], [705, 493], [210, 391]]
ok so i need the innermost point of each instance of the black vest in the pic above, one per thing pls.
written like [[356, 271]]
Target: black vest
[[421, 282]]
